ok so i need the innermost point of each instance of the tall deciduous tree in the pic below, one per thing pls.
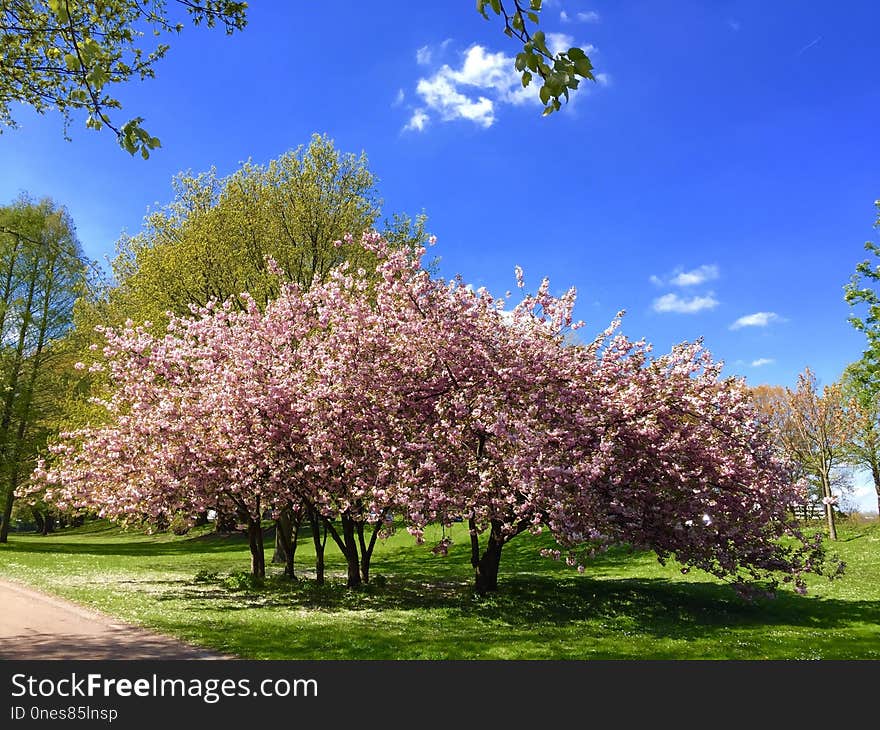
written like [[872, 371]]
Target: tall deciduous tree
[[813, 429], [213, 241], [43, 272]]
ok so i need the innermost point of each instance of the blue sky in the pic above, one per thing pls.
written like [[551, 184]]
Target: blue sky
[[717, 181]]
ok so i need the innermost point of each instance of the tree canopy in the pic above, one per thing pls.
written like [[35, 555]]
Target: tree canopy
[[216, 238]]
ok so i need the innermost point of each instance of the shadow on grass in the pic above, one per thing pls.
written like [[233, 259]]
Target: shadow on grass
[[651, 605], [211, 543]]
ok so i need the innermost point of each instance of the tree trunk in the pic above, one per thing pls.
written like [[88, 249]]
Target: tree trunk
[[201, 519], [367, 549], [286, 532], [38, 520], [486, 565], [875, 472], [48, 523], [829, 508], [347, 545], [319, 545], [351, 552], [224, 522], [7, 512], [255, 542], [486, 574], [12, 387], [282, 537]]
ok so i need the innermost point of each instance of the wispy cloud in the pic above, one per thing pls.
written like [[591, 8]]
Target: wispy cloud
[[398, 98], [588, 16], [417, 122], [758, 319], [674, 303], [682, 278], [734, 25], [474, 90], [809, 46], [761, 361]]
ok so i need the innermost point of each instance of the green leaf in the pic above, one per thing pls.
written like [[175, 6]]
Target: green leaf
[[575, 53], [544, 94], [59, 9], [584, 67], [533, 17], [496, 6], [97, 77], [540, 42], [526, 78], [520, 62]]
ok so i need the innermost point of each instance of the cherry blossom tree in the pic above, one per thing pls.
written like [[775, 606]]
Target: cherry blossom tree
[[396, 391]]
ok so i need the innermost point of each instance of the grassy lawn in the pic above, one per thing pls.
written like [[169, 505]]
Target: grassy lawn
[[626, 606]]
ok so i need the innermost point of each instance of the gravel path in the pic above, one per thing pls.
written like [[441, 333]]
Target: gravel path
[[34, 625]]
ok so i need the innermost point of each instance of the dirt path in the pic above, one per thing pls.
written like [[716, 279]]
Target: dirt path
[[34, 625]]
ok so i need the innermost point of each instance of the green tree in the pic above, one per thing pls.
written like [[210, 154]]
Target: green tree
[[42, 273], [215, 239], [861, 388], [69, 55]]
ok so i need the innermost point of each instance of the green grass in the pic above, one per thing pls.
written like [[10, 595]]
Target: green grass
[[626, 606]]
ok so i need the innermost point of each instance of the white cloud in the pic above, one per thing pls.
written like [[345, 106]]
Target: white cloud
[[563, 17], [696, 276], [557, 42], [441, 94], [399, 97], [762, 361], [602, 79], [674, 303], [758, 319], [483, 82], [464, 92], [417, 122], [682, 278]]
